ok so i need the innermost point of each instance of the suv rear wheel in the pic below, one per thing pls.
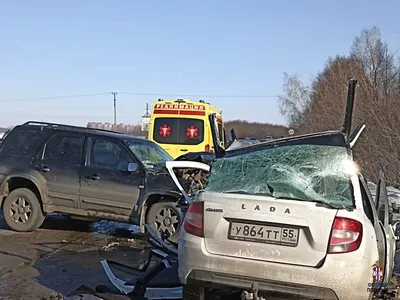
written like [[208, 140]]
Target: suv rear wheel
[[22, 210], [166, 217]]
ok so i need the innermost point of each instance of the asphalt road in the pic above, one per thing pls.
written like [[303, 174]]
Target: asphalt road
[[61, 256], [65, 254]]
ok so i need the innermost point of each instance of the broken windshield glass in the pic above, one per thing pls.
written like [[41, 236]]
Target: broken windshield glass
[[303, 172]]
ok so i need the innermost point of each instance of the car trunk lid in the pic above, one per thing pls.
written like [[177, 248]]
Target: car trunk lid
[[266, 229]]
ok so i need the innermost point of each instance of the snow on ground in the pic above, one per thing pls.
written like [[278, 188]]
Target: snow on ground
[[105, 227], [393, 196]]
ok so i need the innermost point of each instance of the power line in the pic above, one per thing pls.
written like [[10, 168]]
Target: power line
[[38, 114], [138, 94], [55, 97], [200, 95]]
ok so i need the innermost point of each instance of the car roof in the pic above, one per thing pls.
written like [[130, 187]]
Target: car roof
[[72, 128], [326, 138], [117, 135]]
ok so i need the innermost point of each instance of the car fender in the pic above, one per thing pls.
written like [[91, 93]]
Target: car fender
[[26, 176], [171, 165], [142, 204]]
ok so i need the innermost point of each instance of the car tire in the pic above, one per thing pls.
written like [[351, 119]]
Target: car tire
[[27, 206], [162, 215], [193, 292]]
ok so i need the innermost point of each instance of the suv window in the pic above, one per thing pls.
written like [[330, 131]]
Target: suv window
[[64, 149], [178, 131], [106, 154], [149, 153], [20, 140]]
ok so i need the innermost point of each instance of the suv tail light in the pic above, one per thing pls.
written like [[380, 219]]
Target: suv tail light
[[194, 219], [207, 148], [346, 235]]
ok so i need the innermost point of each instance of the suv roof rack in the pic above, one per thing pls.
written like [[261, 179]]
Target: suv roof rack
[[65, 127]]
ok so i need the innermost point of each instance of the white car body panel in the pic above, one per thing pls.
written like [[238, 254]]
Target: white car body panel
[[278, 268]]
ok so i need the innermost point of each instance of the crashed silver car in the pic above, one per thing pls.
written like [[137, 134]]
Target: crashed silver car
[[289, 218]]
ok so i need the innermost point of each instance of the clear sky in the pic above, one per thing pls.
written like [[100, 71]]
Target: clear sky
[[198, 47]]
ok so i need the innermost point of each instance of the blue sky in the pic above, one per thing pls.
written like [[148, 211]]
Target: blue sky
[[202, 47]]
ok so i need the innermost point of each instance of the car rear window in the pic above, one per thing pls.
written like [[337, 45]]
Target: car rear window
[[178, 131], [20, 140]]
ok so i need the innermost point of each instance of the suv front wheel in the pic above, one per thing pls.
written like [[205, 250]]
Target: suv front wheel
[[22, 210], [166, 217]]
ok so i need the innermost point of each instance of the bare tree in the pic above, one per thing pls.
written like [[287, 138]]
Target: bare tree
[[377, 99], [294, 100]]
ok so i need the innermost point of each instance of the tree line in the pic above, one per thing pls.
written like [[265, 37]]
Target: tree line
[[320, 105], [242, 129]]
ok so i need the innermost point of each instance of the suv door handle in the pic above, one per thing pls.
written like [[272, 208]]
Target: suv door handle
[[184, 150], [95, 177], [44, 169]]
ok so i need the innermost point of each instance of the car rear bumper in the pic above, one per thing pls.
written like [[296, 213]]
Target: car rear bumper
[[342, 277]]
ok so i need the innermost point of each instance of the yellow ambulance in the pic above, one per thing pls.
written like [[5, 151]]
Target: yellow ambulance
[[182, 126]]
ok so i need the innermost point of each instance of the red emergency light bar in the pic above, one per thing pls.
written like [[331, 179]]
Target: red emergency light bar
[[180, 112], [180, 106], [180, 109]]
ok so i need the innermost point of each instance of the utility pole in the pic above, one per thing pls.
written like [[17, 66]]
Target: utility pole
[[147, 115], [115, 107], [146, 119]]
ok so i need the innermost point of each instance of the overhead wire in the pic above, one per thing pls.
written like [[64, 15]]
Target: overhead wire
[[137, 94], [85, 117], [10, 101], [54, 97], [201, 95]]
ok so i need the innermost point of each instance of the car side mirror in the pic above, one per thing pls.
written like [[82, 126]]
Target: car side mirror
[[132, 167], [396, 229]]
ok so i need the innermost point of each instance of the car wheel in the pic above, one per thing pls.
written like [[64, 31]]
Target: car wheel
[[165, 217], [22, 210], [193, 293]]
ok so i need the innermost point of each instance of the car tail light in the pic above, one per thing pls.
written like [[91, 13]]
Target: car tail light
[[194, 219], [207, 148], [346, 235]]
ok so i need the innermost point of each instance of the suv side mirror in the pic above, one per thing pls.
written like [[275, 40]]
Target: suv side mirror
[[132, 167]]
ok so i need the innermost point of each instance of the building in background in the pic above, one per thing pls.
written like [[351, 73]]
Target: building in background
[[138, 130], [135, 130]]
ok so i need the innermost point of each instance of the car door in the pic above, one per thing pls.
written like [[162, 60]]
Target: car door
[[107, 187], [59, 162], [370, 210], [382, 208]]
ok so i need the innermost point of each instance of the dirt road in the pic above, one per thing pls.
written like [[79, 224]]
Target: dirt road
[[61, 256]]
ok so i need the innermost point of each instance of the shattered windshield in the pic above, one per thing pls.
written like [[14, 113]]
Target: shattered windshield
[[301, 172]]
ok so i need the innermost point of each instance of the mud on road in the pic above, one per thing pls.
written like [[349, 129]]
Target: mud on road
[[63, 255]]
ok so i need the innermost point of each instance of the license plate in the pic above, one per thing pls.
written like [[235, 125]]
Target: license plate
[[264, 234]]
